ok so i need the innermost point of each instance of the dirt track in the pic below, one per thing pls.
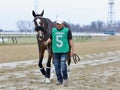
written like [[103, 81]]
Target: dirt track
[[94, 72], [99, 68], [11, 53]]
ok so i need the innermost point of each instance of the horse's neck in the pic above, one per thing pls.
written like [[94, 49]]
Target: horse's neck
[[50, 25]]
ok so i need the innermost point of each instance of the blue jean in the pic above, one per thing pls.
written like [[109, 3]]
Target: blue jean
[[59, 60]]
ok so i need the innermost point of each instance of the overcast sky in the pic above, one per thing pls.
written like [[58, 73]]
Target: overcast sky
[[75, 11]]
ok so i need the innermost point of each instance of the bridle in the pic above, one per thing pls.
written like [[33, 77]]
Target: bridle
[[39, 21], [41, 35], [40, 28]]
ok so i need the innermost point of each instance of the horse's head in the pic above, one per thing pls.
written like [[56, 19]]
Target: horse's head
[[42, 25], [39, 24], [38, 18]]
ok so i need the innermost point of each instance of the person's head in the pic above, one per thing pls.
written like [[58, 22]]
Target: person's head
[[59, 23]]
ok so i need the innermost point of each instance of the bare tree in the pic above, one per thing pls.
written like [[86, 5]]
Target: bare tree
[[25, 26]]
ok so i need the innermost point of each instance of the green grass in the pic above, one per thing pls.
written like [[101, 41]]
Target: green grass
[[33, 40], [21, 40]]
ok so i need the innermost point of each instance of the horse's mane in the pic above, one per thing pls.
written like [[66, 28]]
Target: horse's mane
[[48, 27], [50, 23]]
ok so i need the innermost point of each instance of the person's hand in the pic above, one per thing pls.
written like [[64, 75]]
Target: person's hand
[[46, 43], [72, 53]]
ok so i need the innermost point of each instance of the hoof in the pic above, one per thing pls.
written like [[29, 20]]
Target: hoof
[[47, 80]]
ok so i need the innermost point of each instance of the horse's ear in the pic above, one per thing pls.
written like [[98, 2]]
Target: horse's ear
[[42, 13], [33, 13]]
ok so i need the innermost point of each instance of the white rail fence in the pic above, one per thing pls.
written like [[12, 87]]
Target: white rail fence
[[14, 35]]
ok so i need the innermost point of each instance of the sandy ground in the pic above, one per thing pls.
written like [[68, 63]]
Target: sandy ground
[[10, 53], [94, 72], [99, 68]]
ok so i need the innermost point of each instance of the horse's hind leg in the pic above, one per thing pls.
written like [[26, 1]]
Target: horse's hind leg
[[48, 70]]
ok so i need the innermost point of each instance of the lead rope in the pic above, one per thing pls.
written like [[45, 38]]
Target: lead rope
[[76, 58]]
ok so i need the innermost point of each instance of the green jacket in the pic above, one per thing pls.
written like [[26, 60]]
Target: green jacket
[[60, 43]]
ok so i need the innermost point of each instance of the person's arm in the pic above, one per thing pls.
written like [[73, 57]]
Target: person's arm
[[72, 46], [71, 42], [48, 41]]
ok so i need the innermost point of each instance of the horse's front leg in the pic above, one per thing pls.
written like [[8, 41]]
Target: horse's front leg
[[48, 65], [48, 68], [41, 55]]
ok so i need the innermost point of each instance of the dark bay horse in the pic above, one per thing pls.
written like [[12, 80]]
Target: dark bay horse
[[43, 27]]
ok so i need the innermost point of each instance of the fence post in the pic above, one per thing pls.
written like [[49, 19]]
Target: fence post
[[3, 40], [16, 40], [13, 39]]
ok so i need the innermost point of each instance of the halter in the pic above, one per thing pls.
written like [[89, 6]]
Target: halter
[[40, 18], [40, 28]]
